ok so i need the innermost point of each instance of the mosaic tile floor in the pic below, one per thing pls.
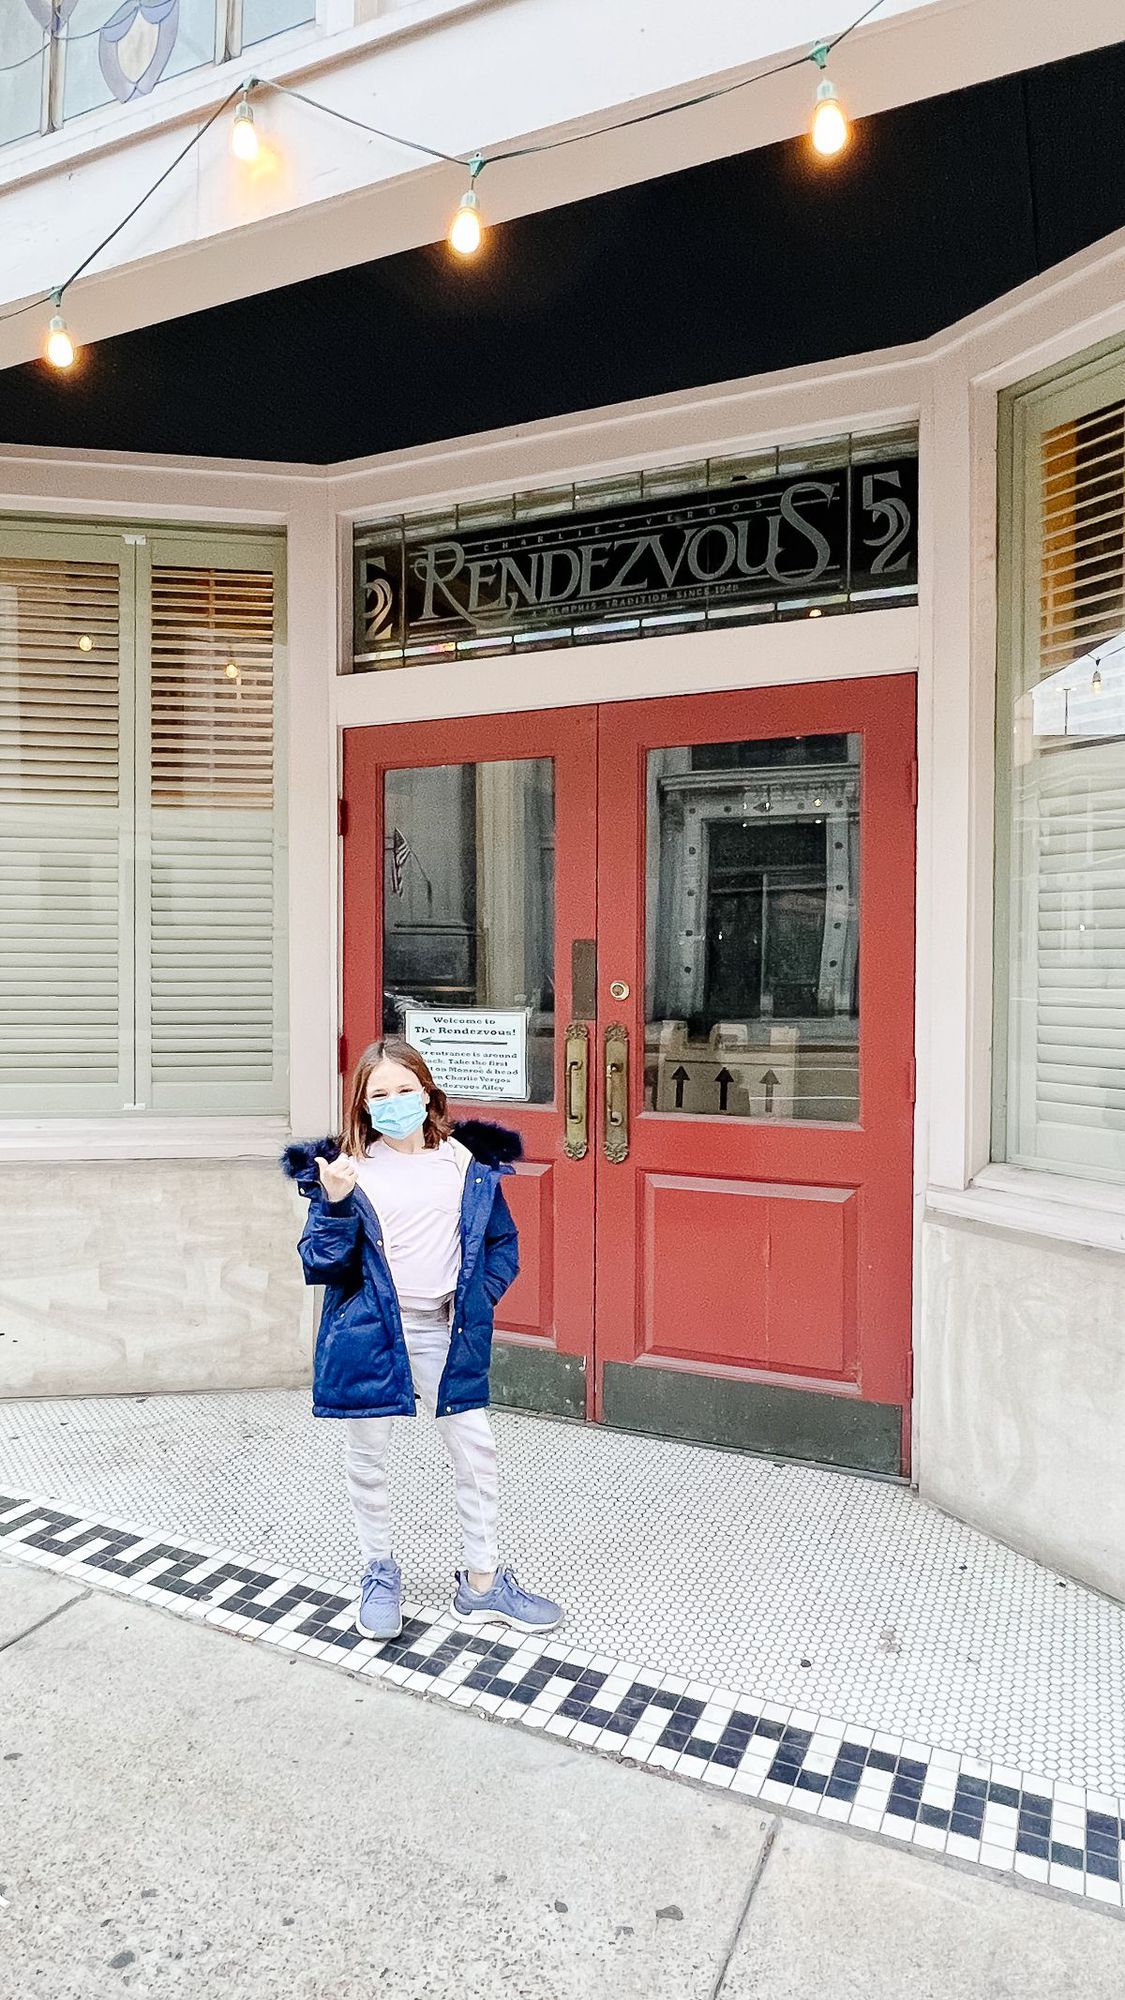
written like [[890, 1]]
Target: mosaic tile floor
[[828, 1643]]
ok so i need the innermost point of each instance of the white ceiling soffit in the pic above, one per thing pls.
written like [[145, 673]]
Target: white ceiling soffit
[[458, 75]]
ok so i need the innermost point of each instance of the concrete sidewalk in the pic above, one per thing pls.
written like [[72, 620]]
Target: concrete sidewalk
[[186, 1814]]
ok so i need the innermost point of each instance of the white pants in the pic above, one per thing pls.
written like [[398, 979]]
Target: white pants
[[467, 1438]]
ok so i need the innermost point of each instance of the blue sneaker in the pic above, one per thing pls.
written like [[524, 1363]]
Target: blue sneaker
[[507, 1603], [380, 1600]]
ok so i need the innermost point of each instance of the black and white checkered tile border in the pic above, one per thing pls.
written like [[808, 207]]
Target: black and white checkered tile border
[[1003, 1819]]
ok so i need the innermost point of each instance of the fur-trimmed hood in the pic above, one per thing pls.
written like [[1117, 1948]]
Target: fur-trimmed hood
[[494, 1145]]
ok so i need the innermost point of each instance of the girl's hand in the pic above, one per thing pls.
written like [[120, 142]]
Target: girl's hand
[[337, 1177]]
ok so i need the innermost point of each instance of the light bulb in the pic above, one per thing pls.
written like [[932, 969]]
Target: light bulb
[[60, 346], [244, 133], [85, 643], [829, 125], [466, 229], [232, 670], [1096, 680]]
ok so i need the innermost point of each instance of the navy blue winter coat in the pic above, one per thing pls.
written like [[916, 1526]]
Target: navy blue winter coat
[[361, 1367]]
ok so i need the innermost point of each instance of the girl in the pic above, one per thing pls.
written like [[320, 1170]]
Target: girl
[[409, 1231]]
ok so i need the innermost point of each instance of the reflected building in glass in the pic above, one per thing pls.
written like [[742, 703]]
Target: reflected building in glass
[[469, 896], [753, 929]]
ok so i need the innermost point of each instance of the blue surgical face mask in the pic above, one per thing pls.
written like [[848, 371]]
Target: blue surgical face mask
[[398, 1117]]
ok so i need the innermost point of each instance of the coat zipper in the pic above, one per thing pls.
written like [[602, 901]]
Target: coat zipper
[[466, 1268]]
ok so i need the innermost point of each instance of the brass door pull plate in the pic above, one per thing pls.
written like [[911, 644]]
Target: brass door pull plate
[[616, 1092], [576, 1091]]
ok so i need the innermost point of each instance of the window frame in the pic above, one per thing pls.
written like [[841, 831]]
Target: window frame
[[1067, 392], [232, 1116], [227, 46]]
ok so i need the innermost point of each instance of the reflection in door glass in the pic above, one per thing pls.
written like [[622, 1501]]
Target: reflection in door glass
[[752, 972], [469, 897]]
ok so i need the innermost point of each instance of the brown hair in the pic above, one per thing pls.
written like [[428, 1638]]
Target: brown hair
[[359, 1133]]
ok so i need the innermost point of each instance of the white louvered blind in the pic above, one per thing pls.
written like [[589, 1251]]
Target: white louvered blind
[[216, 913], [142, 856], [61, 854], [1066, 1021]]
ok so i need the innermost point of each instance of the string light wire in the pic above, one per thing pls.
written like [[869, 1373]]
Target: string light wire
[[56, 291], [346, 118], [33, 305], [475, 162], [192, 143], [576, 138], [685, 103]]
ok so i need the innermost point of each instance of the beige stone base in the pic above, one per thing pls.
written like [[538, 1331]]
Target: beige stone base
[[132, 1277]]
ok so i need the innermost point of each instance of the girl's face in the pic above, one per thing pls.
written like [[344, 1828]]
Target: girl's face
[[391, 1079]]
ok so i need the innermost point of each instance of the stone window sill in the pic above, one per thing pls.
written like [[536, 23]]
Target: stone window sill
[[77, 1139], [1091, 1213]]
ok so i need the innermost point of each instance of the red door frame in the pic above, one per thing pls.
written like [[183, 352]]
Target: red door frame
[[873, 1157], [552, 1303], [600, 763]]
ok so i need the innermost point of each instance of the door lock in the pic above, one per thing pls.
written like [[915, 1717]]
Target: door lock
[[618, 989]]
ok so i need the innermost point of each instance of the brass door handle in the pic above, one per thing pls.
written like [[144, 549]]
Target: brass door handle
[[616, 1092], [576, 1090]]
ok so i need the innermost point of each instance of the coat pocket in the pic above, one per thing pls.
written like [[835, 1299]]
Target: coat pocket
[[355, 1355]]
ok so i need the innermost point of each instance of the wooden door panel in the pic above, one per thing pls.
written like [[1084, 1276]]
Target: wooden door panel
[[529, 1308], [767, 1248], [748, 1274], [811, 1280], [705, 1245]]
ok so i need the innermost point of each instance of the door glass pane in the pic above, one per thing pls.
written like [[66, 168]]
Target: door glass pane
[[752, 966], [469, 923]]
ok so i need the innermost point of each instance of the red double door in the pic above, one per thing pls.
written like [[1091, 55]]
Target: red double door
[[671, 943]]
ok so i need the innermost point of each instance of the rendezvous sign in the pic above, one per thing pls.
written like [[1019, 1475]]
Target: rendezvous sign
[[847, 533]]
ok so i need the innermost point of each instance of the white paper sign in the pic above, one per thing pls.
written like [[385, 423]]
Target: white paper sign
[[472, 1051]]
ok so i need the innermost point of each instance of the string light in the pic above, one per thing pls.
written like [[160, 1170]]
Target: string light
[[60, 346], [829, 132], [244, 132], [60, 349], [829, 129], [466, 228]]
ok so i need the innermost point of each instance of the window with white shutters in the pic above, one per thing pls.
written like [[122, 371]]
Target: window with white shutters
[[1061, 830], [142, 853], [65, 799], [214, 894]]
